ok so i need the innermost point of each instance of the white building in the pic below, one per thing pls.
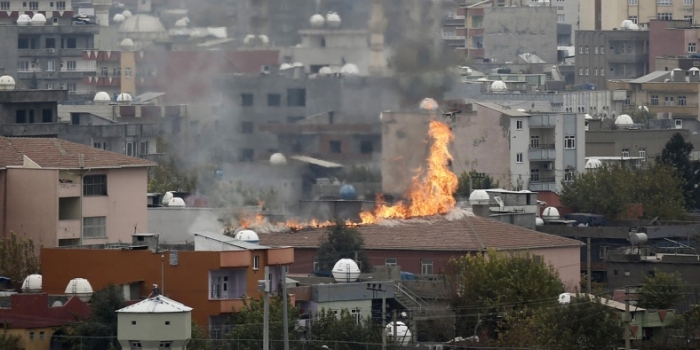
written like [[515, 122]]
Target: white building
[[154, 324]]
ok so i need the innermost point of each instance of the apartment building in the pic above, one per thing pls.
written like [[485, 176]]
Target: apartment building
[[672, 39], [611, 54], [608, 14]]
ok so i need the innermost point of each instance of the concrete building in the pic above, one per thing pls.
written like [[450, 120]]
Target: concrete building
[[611, 54], [666, 94], [44, 51], [21, 106], [155, 323], [213, 282], [608, 14], [517, 149], [646, 144], [671, 38], [511, 31], [684, 62], [63, 193], [38, 319]]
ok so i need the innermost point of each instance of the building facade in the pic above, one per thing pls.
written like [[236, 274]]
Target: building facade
[[611, 54], [608, 14], [671, 39]]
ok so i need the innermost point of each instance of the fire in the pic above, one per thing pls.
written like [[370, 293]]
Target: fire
[[247, 221]]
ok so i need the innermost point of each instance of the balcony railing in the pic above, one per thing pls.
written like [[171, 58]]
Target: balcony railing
[[543, 146], [543, 179]]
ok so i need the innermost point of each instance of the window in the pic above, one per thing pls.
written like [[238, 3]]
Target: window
[[664, 2], [135, 344], [60, 5], [632, 2], [569, 142], [625, 153], [561, 18], [586, 51], [534, 142], [5, 5], [688, 18], [247, 100], [104, 71], [70, 65], [23, 66], [31, 335], [296, 97], [603, 251], [518, 125], [643, 154], [335, 147], [33, 6], [20, 116], [167, 323], [692, 47], [127, 72], [356, 315], [595, 72], [580, 71], [31, 116], [165, 345], [219, 287], [274, 100], [366, 147], [519, 158], [534, 175], [634, 19], [682, 101], [256, 262], [687, 2], [602, 49], [41, 335], [143, 148], [664, 16], [50, 65], [539, 259], [390, 262], [46, 115], [131, 149], [116, 72], [654, 100], [70, 87], [586, 71], [595, 50], [95, 185], [247, 127], [668, 100], [426, 266], [569, 174], [246, 155], [580, 50], [95, 227], [679, 123], [317, 265]]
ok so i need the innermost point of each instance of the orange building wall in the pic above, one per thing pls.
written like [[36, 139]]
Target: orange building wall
[[32, 204], [128, 60]]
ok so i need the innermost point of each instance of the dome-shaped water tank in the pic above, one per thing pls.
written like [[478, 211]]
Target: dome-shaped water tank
[[278, 159], [522, 110], [317, 21], [346, 270], [348, 192], [264, 39], [285, 66], [32, 284], [694, 69], [428, 104], [124, 97], [637, 238], [623, 120], [127, 44], [593, 163], [38, 19], [23, 20], [118, 18], [333, 20], [81, 288], [298, 65], [628, 25], [127, 14], [248, 39], [182, 22], [176, 202], [479, 197], [565, 298], [7, 83], [550, 213], [350, 69], [482, 79], [539, 222], [588, 116], [248, 236], [325, 71], [498, 86], [403, 333], [102, 97]]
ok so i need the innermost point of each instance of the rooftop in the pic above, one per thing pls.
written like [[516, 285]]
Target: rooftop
[[237, 244], [507, 111], [458, 231], [62, 154], [158, 305]]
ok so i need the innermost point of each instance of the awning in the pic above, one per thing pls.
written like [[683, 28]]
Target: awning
[[319, 162]]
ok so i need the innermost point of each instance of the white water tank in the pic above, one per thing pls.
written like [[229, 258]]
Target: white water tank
[[623, 120], [124, 97], [346, 270], [333, 20], [325, 71], [247, 236], [638, 238], [565, 298], [479, 197], [539, 222], [23, 20], [593, 163], [349, 69], [278, 159], [7, 83], [38, 19], [32, 284], [403, 333], [81, 288], [550, 213], [317, 21]]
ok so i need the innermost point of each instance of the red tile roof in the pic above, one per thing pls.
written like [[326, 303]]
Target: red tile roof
[[467, 233], [33, 311], [57, 153]]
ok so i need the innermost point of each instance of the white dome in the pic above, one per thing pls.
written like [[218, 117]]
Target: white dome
[[623, 119], [298, 65], [102, 97], [23, 20], [482, 79], [550, 213], [498, 86], [124, 97], [521, 110], [628, 25], [7, 82], [643, 108], [325, 70], [248, 236], [333, 20], [142, 24], [127, 44], [118, 18], [32, 284], [694, 69], [593, 163], [248, 39], [539, 222], [127, 14], [565, 298], [181, 23], [317, 21], [80, 288], [588, 116], [264, 39], [479, 197], [428, 104], [285, 66], [350, 69], [403, 333], [176, 202], [38, 19], [346, 270], [278, 159]]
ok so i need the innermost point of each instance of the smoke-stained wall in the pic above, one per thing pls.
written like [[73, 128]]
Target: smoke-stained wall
[[511, 31]]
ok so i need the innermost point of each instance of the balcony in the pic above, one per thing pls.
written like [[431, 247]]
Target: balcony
[[543, 121], [68, 229], [280, 256], [69, 189], [543, 184], [542, 152], [233, 259], [227, 306], [454, 21]]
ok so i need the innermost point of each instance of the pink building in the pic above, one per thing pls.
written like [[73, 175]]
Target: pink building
[[671, 38], [61, 193]]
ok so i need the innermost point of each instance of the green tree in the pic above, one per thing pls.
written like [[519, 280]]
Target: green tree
[[661, 291], [198, 339], [18, 258], [676, 154], [475, 179], [341, 242], [9, 341], [99, 329], [343, 332], [495, 284], [248, 330], [170, 174], [583, 324]]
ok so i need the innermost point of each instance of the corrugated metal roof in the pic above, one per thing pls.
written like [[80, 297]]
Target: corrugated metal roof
[[319, 162], [651, 77], [231, 241], [158, 305]]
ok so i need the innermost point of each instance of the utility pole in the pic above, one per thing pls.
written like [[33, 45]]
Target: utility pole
[[588, 264], [396, 339], [264, 286], [627, 318], [378, 287], [285, 320]]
